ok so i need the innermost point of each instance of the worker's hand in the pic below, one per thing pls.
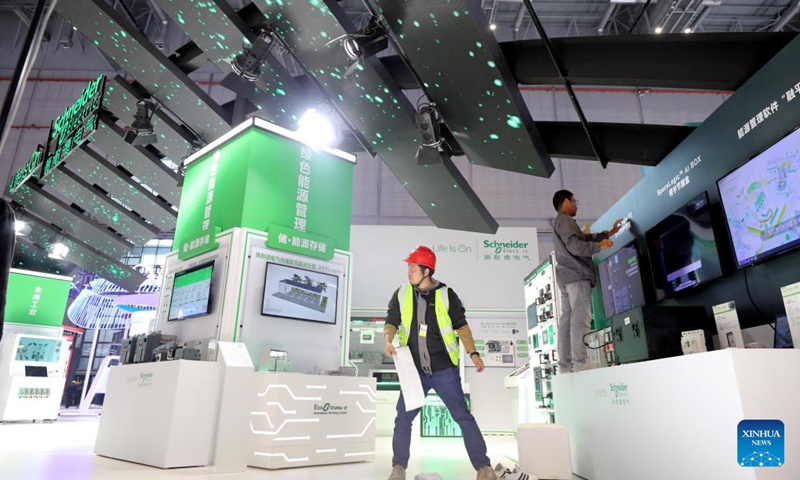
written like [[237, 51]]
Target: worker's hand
[[606, 244], [390, 350], [616, 227], [478, 361]]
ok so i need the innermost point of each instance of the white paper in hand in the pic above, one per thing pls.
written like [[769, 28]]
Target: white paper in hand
[[410, 384]]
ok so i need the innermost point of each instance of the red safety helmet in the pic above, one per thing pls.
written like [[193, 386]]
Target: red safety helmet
[[422, 256]]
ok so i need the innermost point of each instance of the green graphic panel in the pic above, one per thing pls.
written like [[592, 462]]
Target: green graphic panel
[[436, 418], [36, 300], [266, 179]]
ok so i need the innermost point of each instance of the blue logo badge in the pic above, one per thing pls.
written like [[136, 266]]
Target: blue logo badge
[[761, 443]]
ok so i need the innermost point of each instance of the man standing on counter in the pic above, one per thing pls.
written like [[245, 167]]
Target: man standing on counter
[[433, 343], [575, 276]]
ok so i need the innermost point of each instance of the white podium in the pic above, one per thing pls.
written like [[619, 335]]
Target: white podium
[[160, 414], [302, 420], [677, 418]]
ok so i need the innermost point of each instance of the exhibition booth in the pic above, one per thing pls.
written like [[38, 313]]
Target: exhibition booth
[[267, 350]]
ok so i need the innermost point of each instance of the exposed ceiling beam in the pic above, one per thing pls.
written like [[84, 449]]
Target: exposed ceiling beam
[[786, 16]]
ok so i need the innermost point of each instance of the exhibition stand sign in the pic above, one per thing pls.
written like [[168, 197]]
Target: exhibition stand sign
[[263, 177], [35, 298]]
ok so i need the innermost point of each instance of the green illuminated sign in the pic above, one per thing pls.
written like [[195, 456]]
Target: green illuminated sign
[[28, 170], [260, 179], [36, 299], [287, 239], [67, 132], [75, 125]]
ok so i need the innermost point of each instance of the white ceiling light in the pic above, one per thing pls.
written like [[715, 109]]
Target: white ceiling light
[[688, 30], [659, 29], [493, 27]]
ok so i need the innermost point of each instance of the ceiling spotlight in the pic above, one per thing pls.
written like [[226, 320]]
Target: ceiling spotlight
[[248, 63], [428, 125], [141, 131], [21, 228], [688, 30], [659, 29], [493, 27], [58, 251], [366, 42], [317, 130]]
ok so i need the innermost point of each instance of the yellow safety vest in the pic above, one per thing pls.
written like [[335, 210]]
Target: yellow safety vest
[[405, 295]]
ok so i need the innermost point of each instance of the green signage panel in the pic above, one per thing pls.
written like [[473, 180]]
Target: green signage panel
[[258, 178], [28, 170], [198, 244], [287, 239], [36, 299]]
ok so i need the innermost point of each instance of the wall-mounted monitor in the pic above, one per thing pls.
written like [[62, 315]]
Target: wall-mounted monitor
[[38, 350], [300, 294], [191, 293], [761, 199], [621, 280], [682, 249]]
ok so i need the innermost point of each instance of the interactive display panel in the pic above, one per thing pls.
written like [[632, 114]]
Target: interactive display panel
[[39, 350], [300, 294], [760, 199], [683, 250], [191, 293], [621, 280]]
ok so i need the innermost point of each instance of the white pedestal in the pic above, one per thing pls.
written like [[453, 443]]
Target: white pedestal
[[302, 420], [31, 398], [160, 414], [678, 417]]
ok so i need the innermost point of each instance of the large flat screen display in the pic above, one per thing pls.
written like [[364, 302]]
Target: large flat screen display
[[683, 250], [38, 350], [191, 293], [300, 294], [761, 200], [621, 280]]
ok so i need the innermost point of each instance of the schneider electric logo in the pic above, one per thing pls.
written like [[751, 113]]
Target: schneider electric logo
[[329, 409], [761, 443], [620, 394], [505, 247]]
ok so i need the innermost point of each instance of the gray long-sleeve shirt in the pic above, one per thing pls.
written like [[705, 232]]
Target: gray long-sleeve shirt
[[574, 250]]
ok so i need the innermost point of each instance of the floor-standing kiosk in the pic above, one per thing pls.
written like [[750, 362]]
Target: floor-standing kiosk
[[33, 354], [262, 260]]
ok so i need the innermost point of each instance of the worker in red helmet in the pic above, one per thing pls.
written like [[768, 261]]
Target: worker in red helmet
[[430, 319]]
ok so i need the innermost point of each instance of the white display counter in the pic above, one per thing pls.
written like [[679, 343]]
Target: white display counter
[[160, 414], [678, 417], [301, 420]]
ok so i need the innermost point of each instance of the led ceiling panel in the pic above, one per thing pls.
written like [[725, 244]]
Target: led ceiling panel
[[219, 31], [141, 163], [105, 211], [373, 102], [53, 211], [121, 101], [101, 24], [94, 169], [87, 258], [28, 256], [463, 69]]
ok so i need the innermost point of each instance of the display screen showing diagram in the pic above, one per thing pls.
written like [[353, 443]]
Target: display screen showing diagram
[[191, 293], [39, 350], [760, 199], [300, 294]]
